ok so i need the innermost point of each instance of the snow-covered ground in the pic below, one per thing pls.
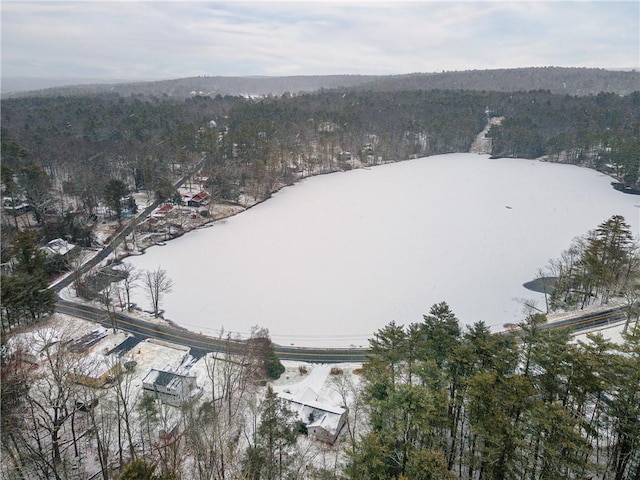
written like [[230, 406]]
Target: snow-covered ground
[[333, 258], [328, 381], [334, 384], [612, 333]]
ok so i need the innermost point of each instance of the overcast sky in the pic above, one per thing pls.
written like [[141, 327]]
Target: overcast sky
[[162, 39]]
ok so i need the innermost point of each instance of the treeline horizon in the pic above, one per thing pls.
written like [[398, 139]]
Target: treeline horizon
[[562, 80]]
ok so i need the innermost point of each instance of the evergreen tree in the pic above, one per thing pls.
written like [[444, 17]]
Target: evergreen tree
[[114, 191], [271, 456], [597, 265], [138, 470], [26, 295], [36, 185], [607, 256], [623, 410], [406, 391]]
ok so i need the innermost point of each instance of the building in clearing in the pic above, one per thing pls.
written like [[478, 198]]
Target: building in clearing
[[95, 370], [58, 246], [199, 199], [324, 422], [170, 387]]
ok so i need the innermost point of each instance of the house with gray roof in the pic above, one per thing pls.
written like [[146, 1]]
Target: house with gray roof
[[170, 387], [324, 422]]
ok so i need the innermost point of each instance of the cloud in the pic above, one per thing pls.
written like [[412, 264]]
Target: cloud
[[150, 40]]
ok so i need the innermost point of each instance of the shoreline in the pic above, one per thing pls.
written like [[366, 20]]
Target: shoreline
[[121, 254]]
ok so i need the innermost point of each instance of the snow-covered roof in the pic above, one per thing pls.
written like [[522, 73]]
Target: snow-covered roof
[[165, 208], [200, 196], [94, 365], [309, 395], [313, 413], [32, 342], [58, 246]]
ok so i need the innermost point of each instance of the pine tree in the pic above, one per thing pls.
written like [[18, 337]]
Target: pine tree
[[114, 190], [270, 457]]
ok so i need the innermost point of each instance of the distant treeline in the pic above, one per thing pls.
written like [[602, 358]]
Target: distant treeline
[[84, 141], [565, 81]]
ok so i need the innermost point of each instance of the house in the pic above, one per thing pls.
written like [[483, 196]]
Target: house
[[154, 224], [163, 210], [170, 387], [199, 199], [58, 246], [15, 206], [346, 156], [328, 127], [95, 370], [324, 422]]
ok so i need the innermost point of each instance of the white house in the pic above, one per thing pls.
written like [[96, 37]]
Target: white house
[[170, 387], [58, 246], [324, 422]]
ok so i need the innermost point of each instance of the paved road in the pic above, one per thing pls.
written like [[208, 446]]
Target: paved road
[[205, 343], [176, 334], [589, 320], [181, 336], [117, 240]]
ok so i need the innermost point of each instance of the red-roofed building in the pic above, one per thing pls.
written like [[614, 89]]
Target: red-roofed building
[[165, 208], [199, 199]]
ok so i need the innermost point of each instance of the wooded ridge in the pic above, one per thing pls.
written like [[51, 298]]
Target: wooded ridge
[[562, 80]]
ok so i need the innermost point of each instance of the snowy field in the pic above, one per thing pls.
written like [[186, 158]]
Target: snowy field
[[332, 259]]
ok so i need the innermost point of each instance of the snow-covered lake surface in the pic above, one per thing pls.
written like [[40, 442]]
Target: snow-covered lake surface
[[334, 258]]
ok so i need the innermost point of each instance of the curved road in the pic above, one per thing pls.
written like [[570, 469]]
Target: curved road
[[176, 334], [205, 343], [201, 342]]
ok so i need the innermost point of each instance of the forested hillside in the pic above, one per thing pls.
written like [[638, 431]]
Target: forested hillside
[[81, 142], [565, 81]]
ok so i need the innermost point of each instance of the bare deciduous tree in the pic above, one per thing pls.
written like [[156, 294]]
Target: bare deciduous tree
[[108, 297], [213, 430], [51, 406], [130, 282], [349, 391], [157, 283]]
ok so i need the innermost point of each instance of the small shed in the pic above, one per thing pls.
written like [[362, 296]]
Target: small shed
[[170, 387]]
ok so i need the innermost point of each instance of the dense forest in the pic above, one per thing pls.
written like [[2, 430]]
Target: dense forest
[[443, 403], [433, 401], [75, 145]]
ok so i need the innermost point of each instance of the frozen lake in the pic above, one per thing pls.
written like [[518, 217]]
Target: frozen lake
[[334, 258]]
